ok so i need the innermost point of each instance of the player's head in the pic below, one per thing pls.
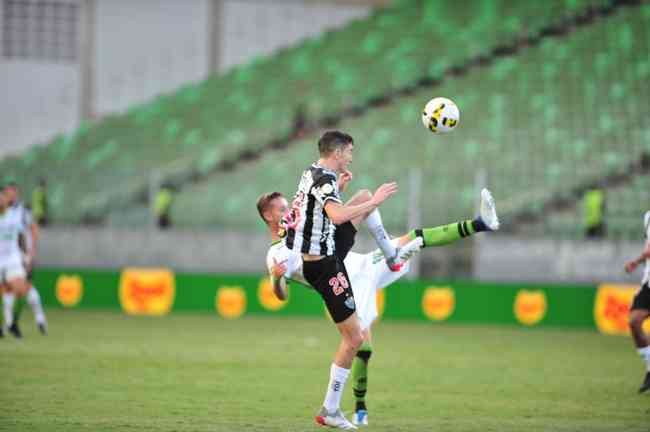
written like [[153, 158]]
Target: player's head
[[11, 192], [271, 206], [336, 146]]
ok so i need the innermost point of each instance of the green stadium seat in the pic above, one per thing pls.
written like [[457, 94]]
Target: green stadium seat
[[519, 115]]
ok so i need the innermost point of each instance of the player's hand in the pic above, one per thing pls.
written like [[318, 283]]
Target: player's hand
[[630, 266], [383, 192], [279, 269], [344, 178]]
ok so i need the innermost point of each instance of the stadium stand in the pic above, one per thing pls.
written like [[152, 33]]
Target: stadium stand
[[187, 134], [561, 114]]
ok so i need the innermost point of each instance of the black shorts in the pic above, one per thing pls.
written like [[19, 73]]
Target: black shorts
[[344, 239], [642, 298], [329, 277]]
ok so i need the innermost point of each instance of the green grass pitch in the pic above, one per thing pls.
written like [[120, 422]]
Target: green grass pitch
[[104, 371]]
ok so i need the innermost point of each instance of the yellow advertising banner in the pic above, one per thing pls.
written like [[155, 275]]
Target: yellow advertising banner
[[438, 303], [530, 306], [612, 308], [147, 291], [267, 297], [230, 301], [69, 290], [381, 302]]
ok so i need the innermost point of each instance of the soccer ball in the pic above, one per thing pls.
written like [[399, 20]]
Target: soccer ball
[[440, 115]]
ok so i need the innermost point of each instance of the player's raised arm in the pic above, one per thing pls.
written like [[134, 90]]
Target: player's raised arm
[[339, 213], [344, 179]]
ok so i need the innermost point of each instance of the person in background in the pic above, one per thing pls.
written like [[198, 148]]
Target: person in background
[[640, 309], [19, 236], [39, 204], [163, 205], [594, 210]]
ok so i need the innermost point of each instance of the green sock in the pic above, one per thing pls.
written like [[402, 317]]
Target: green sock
[[360, 375], [445, 234]]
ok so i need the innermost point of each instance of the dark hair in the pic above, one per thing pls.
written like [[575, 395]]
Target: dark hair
[[332, 140], [264, 201]]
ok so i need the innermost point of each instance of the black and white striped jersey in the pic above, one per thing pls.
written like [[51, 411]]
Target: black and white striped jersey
[[309, 229]]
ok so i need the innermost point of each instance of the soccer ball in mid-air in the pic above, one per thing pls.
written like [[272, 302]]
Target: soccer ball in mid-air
[[440, 115]]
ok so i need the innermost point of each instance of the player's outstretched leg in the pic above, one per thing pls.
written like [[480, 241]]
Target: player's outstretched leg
[[445, 234], [378, 232], [637, 317], [360, 383], [396, 254], [34, 301]]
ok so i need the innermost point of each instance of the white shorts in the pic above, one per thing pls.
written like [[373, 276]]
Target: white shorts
[[12, 270], [368, 273]]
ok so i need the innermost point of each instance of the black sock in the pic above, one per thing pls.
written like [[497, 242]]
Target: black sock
[[479, 225]]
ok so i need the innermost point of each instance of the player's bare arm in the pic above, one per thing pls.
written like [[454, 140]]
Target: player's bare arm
[[630, 266], [278, 280], [339, 213]]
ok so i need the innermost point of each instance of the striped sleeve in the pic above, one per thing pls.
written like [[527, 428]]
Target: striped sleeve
[[326, 189]]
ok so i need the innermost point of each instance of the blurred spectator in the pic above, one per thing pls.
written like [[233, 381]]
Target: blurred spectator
[[39, 203], [299, 123], [594, 209], [163, 206]]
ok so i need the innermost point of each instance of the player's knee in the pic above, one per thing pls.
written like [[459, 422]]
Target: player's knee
[[21, 287], [356, 340]]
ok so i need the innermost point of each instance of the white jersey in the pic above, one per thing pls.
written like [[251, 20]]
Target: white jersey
[[280, 253], [646, 226], [12, 224], [25, 215], [367, 272]]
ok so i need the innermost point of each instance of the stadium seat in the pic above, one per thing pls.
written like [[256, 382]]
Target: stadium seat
[[203, 123], [538, 124]]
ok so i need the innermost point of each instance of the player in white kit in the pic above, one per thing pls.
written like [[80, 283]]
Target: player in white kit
[[12, 271], [640, 309], [367, 272], [28, 241]]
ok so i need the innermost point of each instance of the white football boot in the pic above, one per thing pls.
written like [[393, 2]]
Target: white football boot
[[334, 419], [488, 211]]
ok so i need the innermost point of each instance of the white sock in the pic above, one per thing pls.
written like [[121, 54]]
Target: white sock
[[645, 355], [34, 300], [8, 308], [338, 377], [377, 230]]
